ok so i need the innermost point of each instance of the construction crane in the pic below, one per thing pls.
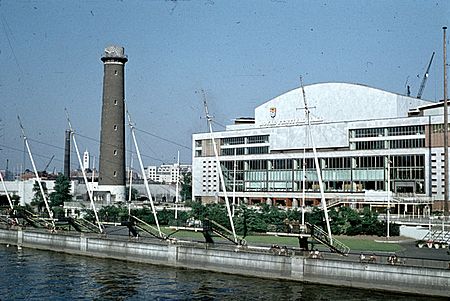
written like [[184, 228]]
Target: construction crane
[[48, 164], [424, 79]]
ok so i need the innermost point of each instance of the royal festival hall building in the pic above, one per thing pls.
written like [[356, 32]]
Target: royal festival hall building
[[365, 138]]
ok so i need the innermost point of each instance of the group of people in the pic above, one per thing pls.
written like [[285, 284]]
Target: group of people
[[371, 259], [315, 254], [277, 250], [392, 259]]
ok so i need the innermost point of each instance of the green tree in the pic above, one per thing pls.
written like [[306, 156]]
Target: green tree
[[134, 194], [61, 192], [113, 214], [38, 199], [186, 186], [370, 223]]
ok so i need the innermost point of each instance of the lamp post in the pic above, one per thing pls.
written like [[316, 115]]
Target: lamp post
[[388, 195]]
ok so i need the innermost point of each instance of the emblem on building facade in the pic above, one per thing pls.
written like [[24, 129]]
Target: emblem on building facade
[[273, 112]]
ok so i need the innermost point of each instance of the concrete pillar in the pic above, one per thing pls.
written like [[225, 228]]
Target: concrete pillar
[[269, 201]]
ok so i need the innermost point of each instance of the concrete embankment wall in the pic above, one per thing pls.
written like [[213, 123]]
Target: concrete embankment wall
[[417, 280]]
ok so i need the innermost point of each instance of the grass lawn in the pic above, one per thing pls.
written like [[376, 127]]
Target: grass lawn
[[355, 243], [368, 243]]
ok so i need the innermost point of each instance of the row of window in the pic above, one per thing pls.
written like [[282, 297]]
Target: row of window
[[389, 131], [245, 140], [244, 151], [366, 162], [392, 144], [329, 186], [439, 128]]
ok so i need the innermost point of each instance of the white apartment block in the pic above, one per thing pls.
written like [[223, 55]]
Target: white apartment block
[[167, 173]]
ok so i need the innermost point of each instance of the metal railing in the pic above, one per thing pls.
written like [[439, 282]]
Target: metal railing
[[334, 244]]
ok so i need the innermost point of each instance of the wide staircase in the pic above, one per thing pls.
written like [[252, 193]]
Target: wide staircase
[[210, 227], [81, 224], [136, 225], [32, 219], [321, 236]]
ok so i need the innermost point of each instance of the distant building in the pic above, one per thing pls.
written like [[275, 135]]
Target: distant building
[[167, 173], [86, 160]]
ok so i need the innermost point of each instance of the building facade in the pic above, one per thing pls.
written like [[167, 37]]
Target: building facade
[[86, 160], [167, 173], [365, 138]]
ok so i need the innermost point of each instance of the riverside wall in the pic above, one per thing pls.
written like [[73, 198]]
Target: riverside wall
[[242, 261]]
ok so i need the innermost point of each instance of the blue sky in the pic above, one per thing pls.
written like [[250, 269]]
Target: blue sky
[[242, 53]]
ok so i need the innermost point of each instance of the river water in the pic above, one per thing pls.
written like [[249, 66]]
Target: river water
[[29, 274]]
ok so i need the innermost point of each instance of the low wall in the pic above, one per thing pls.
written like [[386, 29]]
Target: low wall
[[416, 280]]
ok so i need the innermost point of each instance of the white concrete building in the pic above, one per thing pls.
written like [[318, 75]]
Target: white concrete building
[[356, 129], [86, 160], [167, 173]]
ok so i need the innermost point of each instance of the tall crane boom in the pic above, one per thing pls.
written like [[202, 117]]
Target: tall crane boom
[[425, 77], [48, 164]]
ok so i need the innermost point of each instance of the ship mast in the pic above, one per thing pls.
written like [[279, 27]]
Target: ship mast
[[316, 161], [133, 134], [38, 179], [89, 189], [219, 168], [7, 195]]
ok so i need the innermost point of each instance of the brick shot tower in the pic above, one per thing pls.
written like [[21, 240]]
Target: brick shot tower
[[112, 175]]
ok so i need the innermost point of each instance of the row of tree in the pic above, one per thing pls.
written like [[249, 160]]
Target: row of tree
[[343, 221]]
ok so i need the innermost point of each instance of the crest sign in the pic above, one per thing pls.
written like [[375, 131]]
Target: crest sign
[[273, 112]]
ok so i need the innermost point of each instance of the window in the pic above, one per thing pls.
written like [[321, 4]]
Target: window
[[439, 128], [369, 162], [258, 150], [258, 139], [232, 141], [227, 152], [406, 130], [282, 164], [361, 145], [375, 132], [337, 162], [407, 143], [257, 164]]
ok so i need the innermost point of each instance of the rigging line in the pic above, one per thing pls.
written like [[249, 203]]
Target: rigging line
[[47, 144], [126, 150], [5, 25], [150, 148], [23, 151], [215, 122], [89, 138], [164, 139]]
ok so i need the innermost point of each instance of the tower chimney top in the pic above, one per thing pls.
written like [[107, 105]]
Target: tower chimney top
[[115, 53]]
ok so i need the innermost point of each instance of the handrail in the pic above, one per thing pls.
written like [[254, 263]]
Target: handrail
[[319, 234], [149, 228], [217, 228]]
